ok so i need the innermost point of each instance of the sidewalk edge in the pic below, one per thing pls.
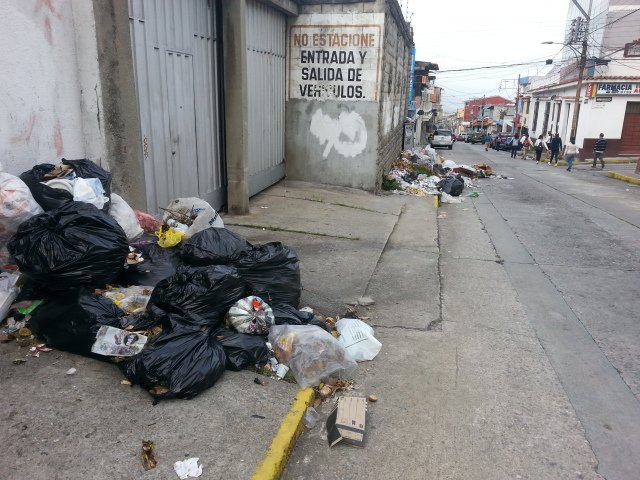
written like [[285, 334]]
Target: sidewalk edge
[[625, 178], [275, 459]]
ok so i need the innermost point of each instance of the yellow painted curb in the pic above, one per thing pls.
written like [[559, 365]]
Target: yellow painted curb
[[277, 455], [626, 178]]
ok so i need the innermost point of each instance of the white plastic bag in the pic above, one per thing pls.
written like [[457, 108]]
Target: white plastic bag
[[16, 204], [125, 216], [89, 190], [312, 354], [357, 337], [8, 292], [187, 208]]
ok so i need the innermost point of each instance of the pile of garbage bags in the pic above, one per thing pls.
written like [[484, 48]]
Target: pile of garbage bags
[[173, 302], [422, 172]]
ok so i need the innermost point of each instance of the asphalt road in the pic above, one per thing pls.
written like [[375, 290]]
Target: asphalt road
[[570, 243], [509, 332]]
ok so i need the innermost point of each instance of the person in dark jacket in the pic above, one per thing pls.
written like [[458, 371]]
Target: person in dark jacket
[[598, 151], [556, 146]]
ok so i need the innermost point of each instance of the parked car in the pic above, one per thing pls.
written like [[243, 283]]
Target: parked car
[[460, 137], [476, 137], [442, 138], [497, 141]]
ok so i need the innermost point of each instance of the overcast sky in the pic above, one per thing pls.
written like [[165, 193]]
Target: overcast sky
[[465, 33]]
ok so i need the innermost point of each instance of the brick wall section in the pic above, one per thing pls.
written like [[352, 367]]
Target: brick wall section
[[393, 91]]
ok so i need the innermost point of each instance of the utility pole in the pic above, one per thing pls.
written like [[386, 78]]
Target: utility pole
[[515, 116], [581, 66]]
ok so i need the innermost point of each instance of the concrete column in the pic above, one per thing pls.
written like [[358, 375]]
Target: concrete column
[[119, 101], [236, 105]]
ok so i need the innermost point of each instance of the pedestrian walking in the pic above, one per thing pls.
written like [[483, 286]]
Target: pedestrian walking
[[539, 147], [556, 145], [487, 141], [598, 151], [515, 143], [547, 142], [570, 153], [526, 145]]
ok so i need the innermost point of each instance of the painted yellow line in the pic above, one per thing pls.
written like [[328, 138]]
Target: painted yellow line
[[277, 455], [626, 178]]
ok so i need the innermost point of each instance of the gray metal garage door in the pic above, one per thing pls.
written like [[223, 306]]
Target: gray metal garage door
[[266, 30], [175, 50]]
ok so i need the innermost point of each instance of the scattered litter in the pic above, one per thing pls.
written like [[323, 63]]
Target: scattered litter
[[357, 337], [446, 198], [442, 215], [114, 342], [346, 423], [473, 194], [260, 381], [71, 371], [188, 468], [372, 398], [147, 455], [310, 418], [307, 310], [281, 370], [365, 301], [19, 361], [125, 382]]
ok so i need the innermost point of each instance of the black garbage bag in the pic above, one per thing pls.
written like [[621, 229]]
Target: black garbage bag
[[286, 314], [48, 198], [178, 363], [214, 246], [272, 271], [159, 263], [451, 185], [242, 350], [439, 170], [71, 246], [207, 292], [70, 321]]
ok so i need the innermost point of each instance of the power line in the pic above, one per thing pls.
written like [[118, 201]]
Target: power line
[[489, 66]]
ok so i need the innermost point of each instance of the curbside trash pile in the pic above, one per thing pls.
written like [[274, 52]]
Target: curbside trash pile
[[423, 172], [172, 302]]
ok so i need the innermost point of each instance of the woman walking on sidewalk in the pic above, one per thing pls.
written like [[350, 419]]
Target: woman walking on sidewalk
[[570, 152], [539, 147]]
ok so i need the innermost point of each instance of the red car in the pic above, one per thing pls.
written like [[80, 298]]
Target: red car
[[459, 137]]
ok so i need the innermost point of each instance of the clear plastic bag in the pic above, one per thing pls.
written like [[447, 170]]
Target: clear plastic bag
[[357, 337], [197, 214], [313, 354]]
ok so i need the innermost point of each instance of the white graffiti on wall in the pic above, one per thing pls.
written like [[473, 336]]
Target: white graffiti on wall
[[347, 134]]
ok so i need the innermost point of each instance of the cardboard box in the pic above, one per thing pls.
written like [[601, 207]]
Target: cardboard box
[[346, 423]]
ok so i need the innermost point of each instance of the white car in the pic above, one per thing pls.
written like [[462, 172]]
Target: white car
[[442, 138]]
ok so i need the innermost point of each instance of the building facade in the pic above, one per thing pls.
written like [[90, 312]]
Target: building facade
[[218, 105], [609, 98]]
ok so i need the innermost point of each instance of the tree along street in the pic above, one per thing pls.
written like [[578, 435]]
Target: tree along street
[[533, 371]]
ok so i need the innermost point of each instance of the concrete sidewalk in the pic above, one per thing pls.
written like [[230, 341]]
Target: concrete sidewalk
[[88, 425]]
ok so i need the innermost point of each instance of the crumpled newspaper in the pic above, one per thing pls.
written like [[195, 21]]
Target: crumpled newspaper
[[188, 468]]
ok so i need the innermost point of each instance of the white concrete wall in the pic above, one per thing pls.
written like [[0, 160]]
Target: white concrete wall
[[51, 98]]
